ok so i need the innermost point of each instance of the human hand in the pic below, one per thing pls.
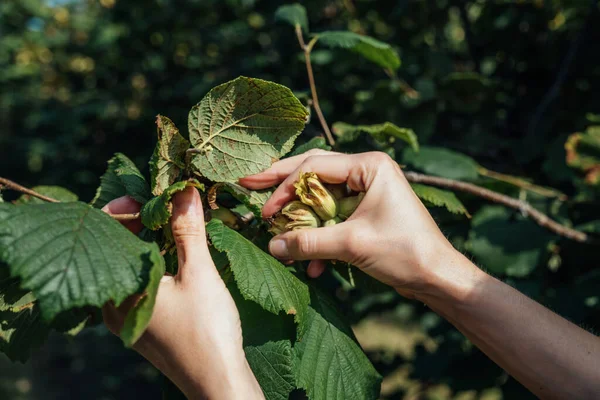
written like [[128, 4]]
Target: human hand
[[194, 336], [391, 235]]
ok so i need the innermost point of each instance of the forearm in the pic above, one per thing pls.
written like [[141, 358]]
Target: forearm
[[227, 377], [552, 357]]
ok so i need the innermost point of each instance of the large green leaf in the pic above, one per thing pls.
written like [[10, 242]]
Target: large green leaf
[[121, 178], [138, 317], [439, 198], [506, 246], [55, 192], [241, 127], [168, 158], [268, 345], [272, 364], [373, 50], [260, 277], [348, 133], [442, 162], [157, 211], [72, 255], [293, 14], [329, 362]]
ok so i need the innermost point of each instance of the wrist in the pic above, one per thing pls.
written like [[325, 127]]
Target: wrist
[[450, 279]]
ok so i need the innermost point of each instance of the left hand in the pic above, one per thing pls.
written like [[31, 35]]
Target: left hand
[[194, 336]]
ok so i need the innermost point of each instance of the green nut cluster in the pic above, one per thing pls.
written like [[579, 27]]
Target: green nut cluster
[[318, 205]]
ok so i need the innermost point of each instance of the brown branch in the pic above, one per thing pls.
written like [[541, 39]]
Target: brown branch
[[15, 186], [125, 217], [19, 188], [525, 208], [311, 80]]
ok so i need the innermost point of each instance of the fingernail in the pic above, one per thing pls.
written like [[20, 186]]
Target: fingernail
[[185, 202], [279, 249]]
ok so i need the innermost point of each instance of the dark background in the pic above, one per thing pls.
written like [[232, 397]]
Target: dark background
[[505, 82]]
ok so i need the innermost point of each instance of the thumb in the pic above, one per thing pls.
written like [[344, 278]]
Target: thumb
[[187, 226], [328, 243]]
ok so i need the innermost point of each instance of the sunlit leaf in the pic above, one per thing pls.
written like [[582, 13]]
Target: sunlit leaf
[[241, 127], [121, 178], [373, 50], [167, 161], [293, 14], [348, 133]]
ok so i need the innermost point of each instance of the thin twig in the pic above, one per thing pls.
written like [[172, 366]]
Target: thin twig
[[19, 188], [525, 208], [15, 186], [522, 183], [311, 80], [125, 217]]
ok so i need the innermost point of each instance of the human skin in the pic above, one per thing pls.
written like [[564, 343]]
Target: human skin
[[392, 237], [195, 335]]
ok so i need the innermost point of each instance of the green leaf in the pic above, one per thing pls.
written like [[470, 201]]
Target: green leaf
[[21, 328], [253, 199], [241, 127], [314, 143], [272, 365], [260, 277], [348, 133], [72, 255], [373, 50], [157, 211], [506, 246], [56, 192], [439, 198], [442, 162], [268, 346], [168, 158], [293, 14], [138, 317], [121, 178], [329, 363]]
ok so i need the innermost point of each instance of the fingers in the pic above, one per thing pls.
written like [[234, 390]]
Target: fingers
[[328, 243], [315, 268], [187, 226], [279, 171], [125, 205], [357, 170]]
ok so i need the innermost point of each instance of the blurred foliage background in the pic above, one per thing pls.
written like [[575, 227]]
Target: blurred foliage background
[[500, 85]]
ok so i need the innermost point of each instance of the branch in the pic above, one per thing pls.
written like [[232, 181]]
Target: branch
[[525, 208], [19, 188], [311, 80], [15, 186]]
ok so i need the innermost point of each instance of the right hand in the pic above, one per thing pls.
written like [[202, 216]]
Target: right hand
[[391, 235]]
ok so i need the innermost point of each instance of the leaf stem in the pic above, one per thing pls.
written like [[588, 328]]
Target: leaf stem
[[19, 188], [524, 207], [15, 186], [311, 80]]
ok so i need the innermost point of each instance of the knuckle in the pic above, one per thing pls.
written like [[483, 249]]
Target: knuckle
[[314, 152], [380, 158], [304, 243], [355, 242]]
